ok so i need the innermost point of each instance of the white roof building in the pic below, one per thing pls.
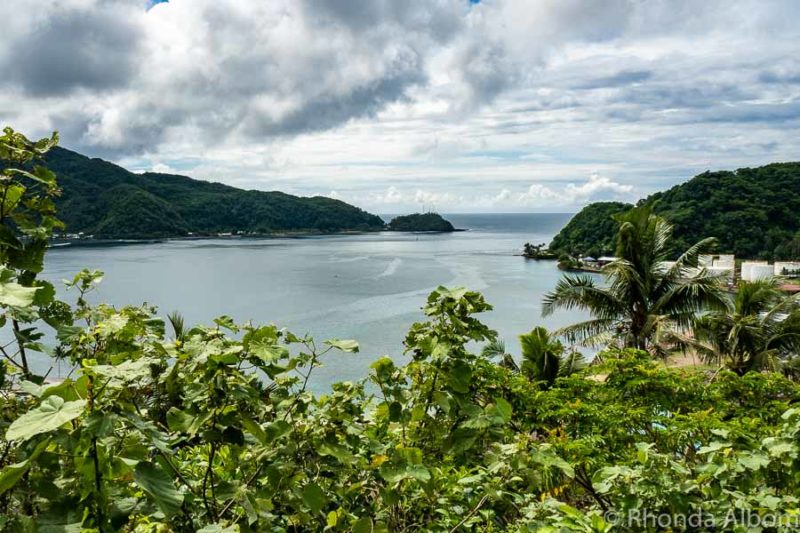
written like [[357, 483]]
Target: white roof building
[[791, 267], [756, 270]]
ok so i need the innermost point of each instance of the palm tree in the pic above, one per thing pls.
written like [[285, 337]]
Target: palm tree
[[645, 298], [543, 358], [178, 325], [760, 330], [496, 349]]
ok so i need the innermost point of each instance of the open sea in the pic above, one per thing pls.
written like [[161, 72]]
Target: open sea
[[366, 287]]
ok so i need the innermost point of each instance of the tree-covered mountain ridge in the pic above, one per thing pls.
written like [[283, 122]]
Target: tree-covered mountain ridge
[[105, 200], [752, 212]]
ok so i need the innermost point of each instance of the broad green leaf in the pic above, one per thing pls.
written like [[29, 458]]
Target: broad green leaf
[[395, 474], [343, 345], [125, 372], [51, 414], [336, 450], [254, 429], [363, 525], [753, 461], [158, 484], [277, 430], [16, 295], [14, 472], [111, 325], [459, 377], [314, 498], [11, 195]]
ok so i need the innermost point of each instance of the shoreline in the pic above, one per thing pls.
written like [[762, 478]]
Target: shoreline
[[300, 234]]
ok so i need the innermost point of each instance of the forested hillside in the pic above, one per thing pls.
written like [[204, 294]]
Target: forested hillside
[[420, 222], [753, 213], [591, 232], [105, 200]]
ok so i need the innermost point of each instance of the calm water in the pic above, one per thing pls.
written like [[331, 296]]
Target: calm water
[[366, 287]]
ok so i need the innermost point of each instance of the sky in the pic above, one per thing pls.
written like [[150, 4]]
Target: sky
[[396, 106]]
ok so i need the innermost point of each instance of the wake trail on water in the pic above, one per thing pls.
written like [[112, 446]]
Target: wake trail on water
[[392, 268]]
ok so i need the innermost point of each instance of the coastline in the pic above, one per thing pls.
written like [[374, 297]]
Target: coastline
[[298, 234]]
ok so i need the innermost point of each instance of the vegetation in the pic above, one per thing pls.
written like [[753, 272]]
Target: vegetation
[[537, 251], [759, 329], [592, 232], [107, 201], [644, 303], [752, 213], [213, 429], [420, 222], [543, 357]]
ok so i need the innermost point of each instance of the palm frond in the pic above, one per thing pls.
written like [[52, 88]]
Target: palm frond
[[580, 292], [590, 332]]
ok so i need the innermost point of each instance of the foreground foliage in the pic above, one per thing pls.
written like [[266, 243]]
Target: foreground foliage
[[213, 428]]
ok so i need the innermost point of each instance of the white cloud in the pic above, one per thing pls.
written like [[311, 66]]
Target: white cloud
[[498, 105], [595, 186], [553, 198]]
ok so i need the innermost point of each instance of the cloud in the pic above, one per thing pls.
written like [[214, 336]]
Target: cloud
[[596, 187], [495, 105], [557, 197], [74, 46]]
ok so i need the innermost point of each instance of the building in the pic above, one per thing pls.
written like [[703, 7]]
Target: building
[[603, 261], [723, 265], [756, 270], [724, 272], [787, 268]]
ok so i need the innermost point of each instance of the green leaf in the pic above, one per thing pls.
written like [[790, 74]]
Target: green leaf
[[16, 295], [336, 450], [502, 409], [363, 525], [125, 372], [158, 484], [343, 345], [753, 461], [277, 430], [51, 414], [395, 474], [12, 194], [314, 498], [111, 325], [459, 377], [253, 428], [11, 474]]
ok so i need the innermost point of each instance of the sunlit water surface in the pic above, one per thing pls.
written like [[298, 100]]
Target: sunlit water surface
[[365, 287]]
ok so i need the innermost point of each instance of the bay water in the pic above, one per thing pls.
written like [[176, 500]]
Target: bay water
[[367, 287]]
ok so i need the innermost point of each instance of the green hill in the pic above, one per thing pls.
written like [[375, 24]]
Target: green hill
[[105, 200], [753, 213], [420, 222], [591, 232]]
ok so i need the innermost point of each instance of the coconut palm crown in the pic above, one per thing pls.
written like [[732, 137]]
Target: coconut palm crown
[[645, 299], [759, 331]]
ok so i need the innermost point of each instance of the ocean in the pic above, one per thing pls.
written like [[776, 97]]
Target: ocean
[[367, 287]]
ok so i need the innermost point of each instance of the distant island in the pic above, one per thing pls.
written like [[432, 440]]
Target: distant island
[[106, 201], [420, 222], [752, 212]]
